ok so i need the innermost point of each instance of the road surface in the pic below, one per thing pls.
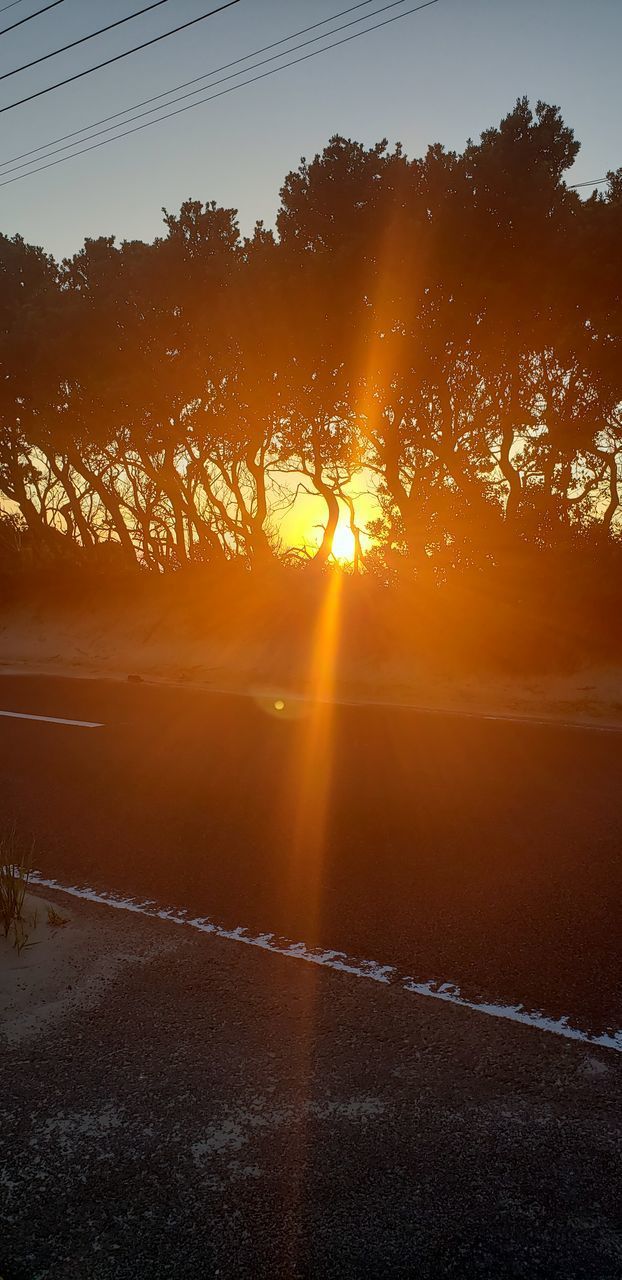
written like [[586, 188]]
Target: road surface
[[486, 854], [200, 1109]]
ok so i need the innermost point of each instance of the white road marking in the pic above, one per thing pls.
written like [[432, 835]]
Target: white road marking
[[78, 724], [370, 969]]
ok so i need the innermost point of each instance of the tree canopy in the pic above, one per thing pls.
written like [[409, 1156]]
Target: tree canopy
[[444, 333]]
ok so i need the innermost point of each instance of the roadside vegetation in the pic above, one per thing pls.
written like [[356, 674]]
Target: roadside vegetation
[[428, 351], [15, 872], [18, 917]]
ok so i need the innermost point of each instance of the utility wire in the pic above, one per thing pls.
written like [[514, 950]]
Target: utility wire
[[232, 75], [175, 89], [30, 15], [83, 39], [222, 92], [206, 75], [11, 5], [117, 58]]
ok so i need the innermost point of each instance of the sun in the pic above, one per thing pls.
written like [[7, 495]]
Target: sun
[[343, 547]]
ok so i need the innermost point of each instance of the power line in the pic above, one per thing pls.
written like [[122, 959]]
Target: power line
[[597, 182], [197, 79], [206, 75], [115, 115], [117, 58], [83, 39], [11, 5], [222, 92], [30, 15], [182, 97]]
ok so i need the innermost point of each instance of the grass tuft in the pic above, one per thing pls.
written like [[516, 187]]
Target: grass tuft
[[15, 873]]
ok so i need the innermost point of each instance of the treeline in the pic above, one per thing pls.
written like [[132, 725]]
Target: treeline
[[444, 332]]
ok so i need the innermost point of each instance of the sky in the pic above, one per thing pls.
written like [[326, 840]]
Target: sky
[[441, 75]]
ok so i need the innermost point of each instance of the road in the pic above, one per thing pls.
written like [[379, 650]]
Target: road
[[482, 853], [198, 1109]]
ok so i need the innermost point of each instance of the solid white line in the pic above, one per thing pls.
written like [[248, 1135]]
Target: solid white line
[[370, 969], [79, 724]]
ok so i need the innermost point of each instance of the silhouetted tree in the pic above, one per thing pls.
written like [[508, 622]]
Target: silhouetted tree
[[445, 332]]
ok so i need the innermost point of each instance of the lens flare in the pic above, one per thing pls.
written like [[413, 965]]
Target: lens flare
[[310, 785]]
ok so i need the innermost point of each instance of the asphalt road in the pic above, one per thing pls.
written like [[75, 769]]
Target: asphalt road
[[483, 853], [208, 1110]]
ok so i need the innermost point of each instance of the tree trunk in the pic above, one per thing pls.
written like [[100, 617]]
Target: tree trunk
[[614, 494], [332, 504], [109, 499], [63, 475]]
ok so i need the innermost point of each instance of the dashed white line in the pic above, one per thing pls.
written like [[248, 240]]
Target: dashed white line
[[77, 724], [370, 969]]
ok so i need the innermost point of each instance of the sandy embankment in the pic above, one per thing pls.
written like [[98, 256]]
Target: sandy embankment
[[67, 964], [174, 647]]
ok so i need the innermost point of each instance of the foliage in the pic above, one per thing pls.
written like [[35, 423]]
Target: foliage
[[444, 332], [15, 872]]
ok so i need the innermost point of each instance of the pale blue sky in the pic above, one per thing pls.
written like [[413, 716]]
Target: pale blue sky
[[440, 75]]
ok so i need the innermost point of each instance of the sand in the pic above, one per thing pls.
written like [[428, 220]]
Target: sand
[[151, 642], [65, 966]]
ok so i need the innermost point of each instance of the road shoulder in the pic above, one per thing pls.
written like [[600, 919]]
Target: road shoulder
[[197, 1108]]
